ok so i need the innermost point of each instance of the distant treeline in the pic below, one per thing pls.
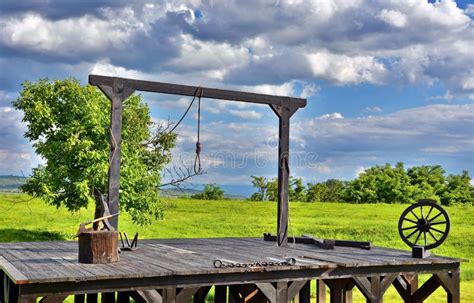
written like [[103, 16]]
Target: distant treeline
[[378, 184]]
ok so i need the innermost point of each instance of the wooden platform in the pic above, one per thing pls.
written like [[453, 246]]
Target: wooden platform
[[50, 269]]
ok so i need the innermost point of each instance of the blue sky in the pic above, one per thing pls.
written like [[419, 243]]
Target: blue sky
[[386, 81]]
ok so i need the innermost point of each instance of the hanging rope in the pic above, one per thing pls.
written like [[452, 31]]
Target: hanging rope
[[197, 160]]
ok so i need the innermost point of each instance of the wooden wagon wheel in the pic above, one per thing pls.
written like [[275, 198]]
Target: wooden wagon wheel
[[424, 223]]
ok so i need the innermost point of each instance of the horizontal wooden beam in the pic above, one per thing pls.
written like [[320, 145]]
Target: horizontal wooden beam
[[187, 90]]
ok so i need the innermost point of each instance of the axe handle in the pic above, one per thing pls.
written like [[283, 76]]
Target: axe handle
[[101, 219]]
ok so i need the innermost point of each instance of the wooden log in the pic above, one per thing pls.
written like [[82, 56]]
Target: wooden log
[[98, 247]]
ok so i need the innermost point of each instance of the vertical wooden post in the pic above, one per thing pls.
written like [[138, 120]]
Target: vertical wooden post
[[454, 296], [220, 294], [304, 295], [116, 94], [11, 292], [284, 114], [341, 290], [320, 291], [376, 290], [2, 291], [282, 292], [169, 295]]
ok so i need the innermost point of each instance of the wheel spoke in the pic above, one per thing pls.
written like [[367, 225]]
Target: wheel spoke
[[437, 223], [429, 213], [424, 235], [412, 233], [431, 220], [437, 230], [432, 236], [421, 211], [411, 227], [418, 237], [414, 215], [409, 220]]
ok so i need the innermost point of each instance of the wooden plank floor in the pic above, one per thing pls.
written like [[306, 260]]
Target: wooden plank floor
[[49, 262]]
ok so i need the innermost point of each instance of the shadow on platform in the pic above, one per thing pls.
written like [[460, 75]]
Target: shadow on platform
[[25, 235]]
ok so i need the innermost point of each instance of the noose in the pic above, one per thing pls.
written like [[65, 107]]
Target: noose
[[197, 159]]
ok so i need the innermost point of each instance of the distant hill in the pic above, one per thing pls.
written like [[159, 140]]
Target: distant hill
[[174, 192], [11, 183]]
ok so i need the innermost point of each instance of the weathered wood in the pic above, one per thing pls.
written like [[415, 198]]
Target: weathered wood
[[454, 295], [186, 294], [376, 290], [220, 294], [268, 290], [10, 290], [426, 290], [320, 291], [53, 299], [186, 90], [340, 290], [294, 288], [284, 113], [282, 292], [98, 247], [304, 295], [51, 268], [147, 296], [169, 295]]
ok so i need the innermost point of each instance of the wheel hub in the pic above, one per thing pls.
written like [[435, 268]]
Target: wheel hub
[[423, 225]]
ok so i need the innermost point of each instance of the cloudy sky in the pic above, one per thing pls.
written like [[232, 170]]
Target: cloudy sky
[[386, 81]]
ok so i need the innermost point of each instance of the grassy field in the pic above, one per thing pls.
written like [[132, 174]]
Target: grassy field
[[23, 219]]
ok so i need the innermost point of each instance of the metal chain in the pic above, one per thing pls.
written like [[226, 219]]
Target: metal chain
[[225, 264]]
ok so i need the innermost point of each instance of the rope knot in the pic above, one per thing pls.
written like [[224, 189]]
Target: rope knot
[[198, 148]]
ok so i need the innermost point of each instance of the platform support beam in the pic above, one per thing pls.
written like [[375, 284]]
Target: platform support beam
[[11, 292], [320, 291], [220, 294], [340, 290]]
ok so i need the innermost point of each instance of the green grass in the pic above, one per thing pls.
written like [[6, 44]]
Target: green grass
[[23, 219]]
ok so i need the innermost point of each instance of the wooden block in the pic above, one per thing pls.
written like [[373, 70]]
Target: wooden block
[[98, 247]]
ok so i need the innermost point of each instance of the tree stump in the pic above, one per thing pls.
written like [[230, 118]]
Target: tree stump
[[98, 247]]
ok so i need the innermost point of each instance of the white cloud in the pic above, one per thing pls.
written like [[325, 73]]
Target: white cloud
[[332, 116], [343, 69], [246, 114], [204, 55], [373, 109], [86, 34], [393, 17]]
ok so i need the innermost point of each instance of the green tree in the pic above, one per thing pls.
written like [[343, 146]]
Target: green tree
[[457, 190], [384, 184], [69, 127], [429, 181], [210, 192], [261, 184], [331, 190], [296, 191]]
